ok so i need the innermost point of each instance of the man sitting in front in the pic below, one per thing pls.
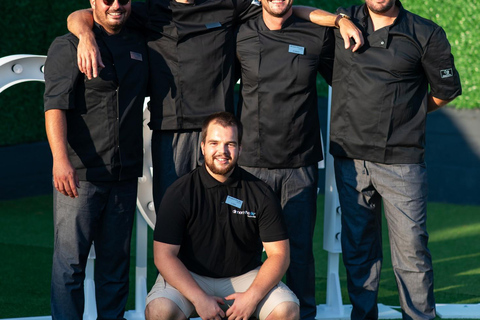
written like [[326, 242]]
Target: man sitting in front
[[208, 239]]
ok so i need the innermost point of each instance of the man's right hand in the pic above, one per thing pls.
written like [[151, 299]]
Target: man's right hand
[[208, 308], [88, 56], [65, 178]]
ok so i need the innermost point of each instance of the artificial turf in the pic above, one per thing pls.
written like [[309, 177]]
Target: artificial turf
[[26, 244]]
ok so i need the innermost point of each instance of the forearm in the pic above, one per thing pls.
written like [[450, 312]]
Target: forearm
[[177, 275], [272, 269], [56, 128], [315, 15], [80, 23], [435, 103]]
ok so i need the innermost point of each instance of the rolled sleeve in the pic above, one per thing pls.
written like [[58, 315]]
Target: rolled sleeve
[[439, 67]]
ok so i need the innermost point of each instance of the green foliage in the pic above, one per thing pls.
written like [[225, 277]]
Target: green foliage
[[30, 26]]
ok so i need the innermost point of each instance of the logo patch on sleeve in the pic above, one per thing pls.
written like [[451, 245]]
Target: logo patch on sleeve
[[446, 73]]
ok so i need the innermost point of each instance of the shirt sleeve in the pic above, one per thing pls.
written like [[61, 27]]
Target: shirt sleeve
[[272, 224], [247, 9], [171, 219], [61, 75], [439, 67]]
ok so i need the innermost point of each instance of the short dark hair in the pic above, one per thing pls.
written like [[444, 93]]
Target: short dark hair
[[225, 119]]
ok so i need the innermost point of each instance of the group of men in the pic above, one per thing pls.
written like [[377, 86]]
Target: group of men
[[388, 68]]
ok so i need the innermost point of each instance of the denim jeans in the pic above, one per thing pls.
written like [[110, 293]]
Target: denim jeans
[[362, 185], [103, 213], [174, 154], [297, 191]]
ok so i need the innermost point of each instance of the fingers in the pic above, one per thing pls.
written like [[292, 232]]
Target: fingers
[[67, 186]]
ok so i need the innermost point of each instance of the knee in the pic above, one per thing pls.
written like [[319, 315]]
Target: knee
[[285, 311], [163, 309]]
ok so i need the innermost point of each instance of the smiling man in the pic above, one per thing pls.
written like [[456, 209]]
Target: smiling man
[[209, 234], [280, 56], [381, 97], [94, 129]]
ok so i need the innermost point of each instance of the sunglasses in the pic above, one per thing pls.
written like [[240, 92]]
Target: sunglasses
[[120, 2]]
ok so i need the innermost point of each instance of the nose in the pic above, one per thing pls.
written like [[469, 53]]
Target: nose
[[115, 4]]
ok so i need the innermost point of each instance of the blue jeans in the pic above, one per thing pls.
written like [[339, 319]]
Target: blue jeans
[[103, 213], [362, 185], [174, 154], [297, 190]]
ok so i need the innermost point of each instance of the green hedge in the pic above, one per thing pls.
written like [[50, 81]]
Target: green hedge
[[30, 26]]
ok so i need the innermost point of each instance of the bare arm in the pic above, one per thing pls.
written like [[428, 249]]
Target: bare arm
[[270, 273], [65, 177], [435, 103], [348, 29], [80, 23], [177, 275]]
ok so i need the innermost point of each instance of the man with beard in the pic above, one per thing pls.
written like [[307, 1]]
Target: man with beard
[[280, 56], [209, 233], [192, 54], [94, 128], [381, 96]]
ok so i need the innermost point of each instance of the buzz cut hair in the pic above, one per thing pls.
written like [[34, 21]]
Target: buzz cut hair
[[225, 119]]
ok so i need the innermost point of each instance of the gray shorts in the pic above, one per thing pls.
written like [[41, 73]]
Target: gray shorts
[[223, 287]]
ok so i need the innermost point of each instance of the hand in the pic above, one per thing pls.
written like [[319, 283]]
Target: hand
[[208, 308], [242, 308], [349, 30], [88, 56], [65, 178]]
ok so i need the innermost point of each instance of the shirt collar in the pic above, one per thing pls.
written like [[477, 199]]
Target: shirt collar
[[210, 182]]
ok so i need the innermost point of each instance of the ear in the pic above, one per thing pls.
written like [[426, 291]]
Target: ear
[[202, 146], [92, 4]]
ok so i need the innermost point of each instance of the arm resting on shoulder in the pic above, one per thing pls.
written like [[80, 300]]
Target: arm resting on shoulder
[[347, 28], [65, 177], [80, 23], [435, 103], [178, 276], [269, 275]]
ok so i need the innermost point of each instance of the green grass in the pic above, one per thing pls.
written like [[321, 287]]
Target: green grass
[[26, 243]]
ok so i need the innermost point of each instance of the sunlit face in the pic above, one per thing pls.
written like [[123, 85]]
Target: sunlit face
[[111, 17], [380, 6], [220, 150], [277, 8]]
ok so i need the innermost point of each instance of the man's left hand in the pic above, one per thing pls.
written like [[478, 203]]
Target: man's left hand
[[242, 308]]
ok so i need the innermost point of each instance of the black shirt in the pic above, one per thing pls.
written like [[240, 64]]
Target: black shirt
[[379, 102], [279, 110], [105, 114], [219, 226], [192, 53]]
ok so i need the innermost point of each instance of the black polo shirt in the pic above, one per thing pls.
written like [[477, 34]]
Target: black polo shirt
[[192, 53], [220, 226], [279, 109], [379, 103], [105, 114]]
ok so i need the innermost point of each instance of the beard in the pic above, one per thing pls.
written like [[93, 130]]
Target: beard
[[223, 170], [277, 14], [380, 9]]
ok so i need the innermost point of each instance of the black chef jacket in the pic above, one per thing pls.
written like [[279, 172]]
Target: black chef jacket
[[220, 226], [379, 103], [279, 109], [192, 52], [104, 114]]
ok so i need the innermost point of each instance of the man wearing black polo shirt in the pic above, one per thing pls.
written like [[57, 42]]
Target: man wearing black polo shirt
[[381, 97], [280, 56], [94, 129], [209, 234], [192, 53]]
